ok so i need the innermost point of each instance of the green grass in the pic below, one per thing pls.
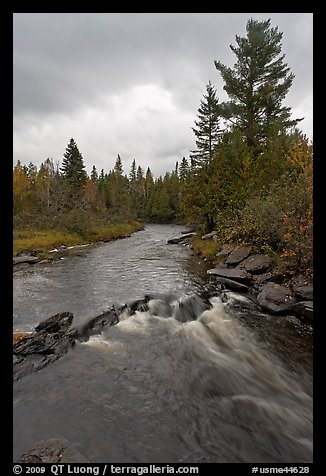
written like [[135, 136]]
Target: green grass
[[47, 240], [207, 248]]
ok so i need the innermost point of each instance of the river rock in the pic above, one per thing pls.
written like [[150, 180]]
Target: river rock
[[256, 264], [275, 298], [58, 322], [238, 255], [304, 309], [180, 239], [225, 251], [304, 293], [209, 235], [238, 275], [231, 284], [25, 259], [52, 339], [54, 450]]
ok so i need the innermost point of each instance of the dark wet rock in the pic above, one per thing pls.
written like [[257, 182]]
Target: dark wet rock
[[25, 259], [209, 235], [275, 298], [304, 293], [191, 307], [59, 322], [256, 264], [304, 309], [225, 251], [97, 323], [187, 232], [231, 284], [54, 450], [180, 239], [238, 255], [238, 275], [52, 338]]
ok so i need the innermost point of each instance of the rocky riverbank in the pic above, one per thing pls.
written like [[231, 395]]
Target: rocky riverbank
[[241, 269]]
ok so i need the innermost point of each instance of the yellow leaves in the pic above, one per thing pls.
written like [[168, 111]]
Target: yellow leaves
[[300, 156]]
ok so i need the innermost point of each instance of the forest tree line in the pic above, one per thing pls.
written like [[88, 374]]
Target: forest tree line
[[249, 178]]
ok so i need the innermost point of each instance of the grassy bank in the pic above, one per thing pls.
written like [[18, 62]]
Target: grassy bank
[[206, 248], [48, 239]]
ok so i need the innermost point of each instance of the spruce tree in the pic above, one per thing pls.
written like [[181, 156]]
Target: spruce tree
[[257, 84], [133, 173], [207, 129], [94, 175], [73, 168]]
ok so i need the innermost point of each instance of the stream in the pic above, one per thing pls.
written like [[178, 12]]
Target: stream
[[232, 385]]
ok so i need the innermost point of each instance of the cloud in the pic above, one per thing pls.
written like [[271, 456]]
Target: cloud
[[131, 83]]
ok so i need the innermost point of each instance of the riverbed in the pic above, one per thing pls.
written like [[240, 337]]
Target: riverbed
[[234, 385]]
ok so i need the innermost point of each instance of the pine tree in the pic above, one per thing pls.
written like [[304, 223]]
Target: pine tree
[[207, 129], [133, 174], [94, 175], [183, 169], [118, 169], [73, 168], [257, 84]]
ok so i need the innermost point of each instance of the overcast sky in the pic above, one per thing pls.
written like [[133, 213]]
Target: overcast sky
[[131, 83]]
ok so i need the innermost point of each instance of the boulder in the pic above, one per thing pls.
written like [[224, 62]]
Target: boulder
[[275, 298], [304, 293], [238, 255], [54, 450], [256, 264], [209, 235], [304, 309], [238, 275], [225, 251], [52, 339]]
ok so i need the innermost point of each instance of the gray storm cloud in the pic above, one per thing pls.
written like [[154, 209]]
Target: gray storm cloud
[[132, 83]]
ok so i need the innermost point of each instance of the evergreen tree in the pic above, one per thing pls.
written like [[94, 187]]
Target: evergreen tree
[[94, 175], [73, 168], [183, 169], [133, 173], [118, 169], [207, 129], [257, 84], [140, 174]]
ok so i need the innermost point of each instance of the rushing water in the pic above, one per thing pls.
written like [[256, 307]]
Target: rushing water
[[232, 385]]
